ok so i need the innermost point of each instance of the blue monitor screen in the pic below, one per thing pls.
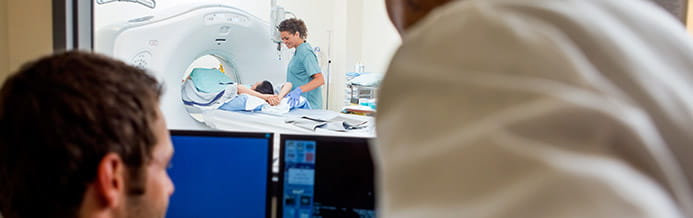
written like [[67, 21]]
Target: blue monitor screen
[[220, 174]]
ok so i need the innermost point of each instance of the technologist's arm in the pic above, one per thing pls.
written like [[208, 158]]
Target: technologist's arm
[[286, 88], [317, 81]]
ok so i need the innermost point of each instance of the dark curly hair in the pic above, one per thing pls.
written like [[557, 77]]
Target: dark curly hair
[[59, 116], [293, 26]]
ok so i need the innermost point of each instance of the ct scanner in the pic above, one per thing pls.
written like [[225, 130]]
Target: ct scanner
[[166, 45]]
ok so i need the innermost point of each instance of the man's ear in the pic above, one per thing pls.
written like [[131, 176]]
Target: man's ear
[[110, 180]]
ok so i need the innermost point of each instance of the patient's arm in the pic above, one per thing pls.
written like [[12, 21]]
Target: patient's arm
[[286, 88], [245, 90], [269, 98]]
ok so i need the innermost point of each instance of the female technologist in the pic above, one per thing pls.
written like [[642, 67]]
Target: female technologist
[[303, 71]]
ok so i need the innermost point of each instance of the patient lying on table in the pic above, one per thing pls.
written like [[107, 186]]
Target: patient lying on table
[[209, 89]]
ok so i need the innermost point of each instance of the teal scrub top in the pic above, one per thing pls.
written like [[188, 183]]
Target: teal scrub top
[[302, 66]]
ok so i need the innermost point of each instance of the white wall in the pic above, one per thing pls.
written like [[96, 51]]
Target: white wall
[[340, 52], [319, 21], [380, 39]]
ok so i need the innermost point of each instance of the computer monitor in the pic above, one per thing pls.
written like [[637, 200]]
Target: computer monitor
[[323, 176], [221, 174]]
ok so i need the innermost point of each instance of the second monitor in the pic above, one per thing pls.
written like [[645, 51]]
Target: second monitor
[[325, 177]]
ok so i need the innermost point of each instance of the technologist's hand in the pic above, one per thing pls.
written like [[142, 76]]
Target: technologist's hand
[[295, 96]]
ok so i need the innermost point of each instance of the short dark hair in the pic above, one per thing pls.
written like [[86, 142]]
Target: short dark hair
[[59, 116], [265, 88], [293, 26]]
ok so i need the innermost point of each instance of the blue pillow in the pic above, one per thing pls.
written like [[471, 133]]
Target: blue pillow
[[209, 80]]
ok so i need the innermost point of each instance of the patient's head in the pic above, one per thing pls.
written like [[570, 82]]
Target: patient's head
[[264, 87], [82, 135]]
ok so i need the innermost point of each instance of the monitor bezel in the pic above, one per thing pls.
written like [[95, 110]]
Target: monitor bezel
[[269, 193], [280, 174]]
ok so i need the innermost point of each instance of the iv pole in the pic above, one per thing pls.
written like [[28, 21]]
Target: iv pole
[[329, 70]]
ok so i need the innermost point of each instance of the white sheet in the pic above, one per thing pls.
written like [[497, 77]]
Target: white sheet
[[262, 122]]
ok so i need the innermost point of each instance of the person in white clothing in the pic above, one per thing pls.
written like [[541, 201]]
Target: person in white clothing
[[536, 108]]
